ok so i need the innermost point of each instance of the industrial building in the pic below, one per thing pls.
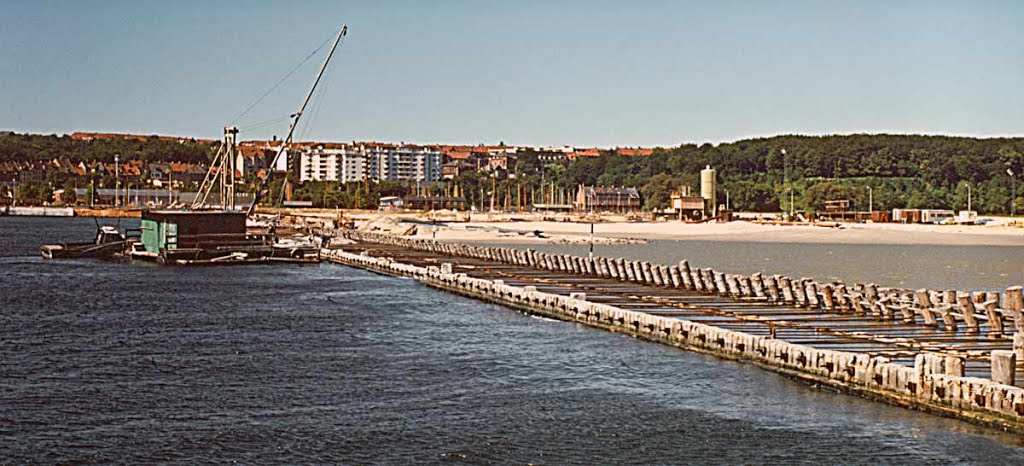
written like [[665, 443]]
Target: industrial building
[[607, 199]]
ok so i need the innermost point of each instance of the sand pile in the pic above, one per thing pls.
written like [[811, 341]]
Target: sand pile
[[387, 225]]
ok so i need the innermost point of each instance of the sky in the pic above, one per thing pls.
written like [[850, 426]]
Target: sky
[[555, 72]]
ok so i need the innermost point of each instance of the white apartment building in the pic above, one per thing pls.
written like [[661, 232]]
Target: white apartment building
[[378, 162], [404, 163], [321, 164]]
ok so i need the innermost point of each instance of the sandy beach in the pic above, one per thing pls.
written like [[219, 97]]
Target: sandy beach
[[563, 232], [525, 228], [852, 233]]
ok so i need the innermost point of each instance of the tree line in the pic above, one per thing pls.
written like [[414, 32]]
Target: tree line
[[16, 147], [762, 174], [887, 171]]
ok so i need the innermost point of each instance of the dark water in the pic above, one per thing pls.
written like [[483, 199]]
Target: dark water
[[115, 363]]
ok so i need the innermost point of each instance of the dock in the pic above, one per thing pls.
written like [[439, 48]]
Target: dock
[[948, 352]]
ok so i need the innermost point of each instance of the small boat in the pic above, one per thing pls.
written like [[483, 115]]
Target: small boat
[[108, 243]]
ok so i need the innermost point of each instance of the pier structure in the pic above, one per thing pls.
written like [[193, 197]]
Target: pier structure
[[954, 353]]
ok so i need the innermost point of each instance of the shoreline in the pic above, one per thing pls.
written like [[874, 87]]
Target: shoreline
[[566, 229], [738, 231]]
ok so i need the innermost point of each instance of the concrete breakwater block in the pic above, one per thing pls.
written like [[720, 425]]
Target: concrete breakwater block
[[935, 379]]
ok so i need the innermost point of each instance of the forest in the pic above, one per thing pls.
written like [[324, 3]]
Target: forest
[[885, 171], [16, 147]]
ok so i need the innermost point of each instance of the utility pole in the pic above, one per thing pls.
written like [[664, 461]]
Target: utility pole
[[968, 197], [117, 177], [790, 204], [785, 182], [591, 240], [871, 200]]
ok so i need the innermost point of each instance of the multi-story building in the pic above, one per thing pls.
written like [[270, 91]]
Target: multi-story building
[[378, 162], [404, 163]]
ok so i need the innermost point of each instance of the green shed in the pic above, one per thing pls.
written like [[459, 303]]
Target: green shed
[[173, 229]]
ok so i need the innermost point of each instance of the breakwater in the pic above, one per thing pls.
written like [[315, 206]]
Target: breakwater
[[922, 349]]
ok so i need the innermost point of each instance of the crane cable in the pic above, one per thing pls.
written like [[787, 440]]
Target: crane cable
[[282, 80]]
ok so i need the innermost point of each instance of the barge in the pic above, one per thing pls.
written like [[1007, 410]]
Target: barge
[[200, 237]]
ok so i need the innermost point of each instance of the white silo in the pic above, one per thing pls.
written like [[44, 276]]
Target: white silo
[[708, 189]]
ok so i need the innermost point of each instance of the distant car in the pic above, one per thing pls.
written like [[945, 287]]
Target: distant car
[[982, 221]]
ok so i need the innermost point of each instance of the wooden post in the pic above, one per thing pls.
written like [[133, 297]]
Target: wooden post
[[946, 311], [908, 313], [654, 277], [733, 284], [842, 296], [757, 283], [924, 306], [787, 290], [871, 292], [967, 311], [698, 280], [720, 286], [645, 269], [995, 319], [856, 302], [773, 289], [800, 292], [666, 275], [811, 287], [828, 297], [746, 288], [676, 275], [684, 270], [881, 307]]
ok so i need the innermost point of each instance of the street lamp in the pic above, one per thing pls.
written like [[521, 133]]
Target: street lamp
[[871, 200], [785, 173], [1013, 187]]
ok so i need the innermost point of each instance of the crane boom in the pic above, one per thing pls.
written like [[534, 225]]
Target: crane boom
[[295, 120]]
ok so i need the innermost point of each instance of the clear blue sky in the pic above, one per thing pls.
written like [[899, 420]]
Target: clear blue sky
[[585, 73]]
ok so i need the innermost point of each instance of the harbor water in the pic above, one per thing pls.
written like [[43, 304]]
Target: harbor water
[[108, 362]]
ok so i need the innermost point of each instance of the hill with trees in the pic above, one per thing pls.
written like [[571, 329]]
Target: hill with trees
[[901, 170]]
